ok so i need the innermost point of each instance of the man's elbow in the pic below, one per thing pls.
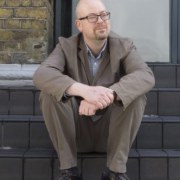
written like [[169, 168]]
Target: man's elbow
[[36, 79], [151, 80]]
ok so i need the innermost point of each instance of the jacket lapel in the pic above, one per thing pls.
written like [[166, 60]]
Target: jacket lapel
[[116, 54], [84, 61]]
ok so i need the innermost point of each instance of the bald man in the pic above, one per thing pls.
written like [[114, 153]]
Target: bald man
[[93, 88]]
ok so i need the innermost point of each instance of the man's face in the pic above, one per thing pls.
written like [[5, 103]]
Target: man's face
[[92, 29]]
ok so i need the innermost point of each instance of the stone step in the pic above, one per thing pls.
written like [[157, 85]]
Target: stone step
[[42, 164], [25, 101], [166, 75], [163, 102], [22, 131], [159, 132]]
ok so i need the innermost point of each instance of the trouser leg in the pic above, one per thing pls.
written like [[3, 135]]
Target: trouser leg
[[92, 136], [71, 133], [59, 120], [122, 132]]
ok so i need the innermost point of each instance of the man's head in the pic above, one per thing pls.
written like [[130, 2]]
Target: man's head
[[93, 27]]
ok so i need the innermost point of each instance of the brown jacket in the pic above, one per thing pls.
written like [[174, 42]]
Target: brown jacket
[[126, 73]]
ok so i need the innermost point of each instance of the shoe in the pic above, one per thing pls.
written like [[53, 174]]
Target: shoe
[[105, 174], [69, 174], [110, 175]]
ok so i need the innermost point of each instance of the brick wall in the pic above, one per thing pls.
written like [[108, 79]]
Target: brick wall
[[26, 31]]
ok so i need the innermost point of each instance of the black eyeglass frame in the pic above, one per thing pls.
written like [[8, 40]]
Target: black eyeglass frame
[[104, 14]]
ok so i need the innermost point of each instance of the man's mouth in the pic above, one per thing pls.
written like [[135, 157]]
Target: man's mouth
[[101, 27]]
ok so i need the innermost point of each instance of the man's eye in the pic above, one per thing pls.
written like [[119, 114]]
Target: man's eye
[[102, 15], [92, 17]]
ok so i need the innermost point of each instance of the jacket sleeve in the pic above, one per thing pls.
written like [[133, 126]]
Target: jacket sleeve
[[50, 76], [138, 78]]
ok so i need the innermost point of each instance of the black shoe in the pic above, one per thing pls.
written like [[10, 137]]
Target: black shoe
[[69, 174], [105, 174], [110, 175]]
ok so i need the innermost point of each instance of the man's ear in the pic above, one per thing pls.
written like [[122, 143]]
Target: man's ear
[[79, 25]]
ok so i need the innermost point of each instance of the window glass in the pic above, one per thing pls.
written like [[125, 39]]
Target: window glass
[[74, 30], [146, 22]]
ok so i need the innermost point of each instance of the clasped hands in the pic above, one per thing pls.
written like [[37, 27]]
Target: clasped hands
[[94, 97], [97, 97]]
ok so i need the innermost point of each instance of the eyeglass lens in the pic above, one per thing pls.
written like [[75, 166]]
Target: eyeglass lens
[[94, 18]]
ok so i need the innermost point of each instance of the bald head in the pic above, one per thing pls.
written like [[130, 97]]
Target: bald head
[[85, 7]]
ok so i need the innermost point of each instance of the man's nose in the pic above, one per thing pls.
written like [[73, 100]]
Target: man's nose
[[99, 20]]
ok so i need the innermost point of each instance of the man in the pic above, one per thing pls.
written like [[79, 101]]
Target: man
[[93, 89]]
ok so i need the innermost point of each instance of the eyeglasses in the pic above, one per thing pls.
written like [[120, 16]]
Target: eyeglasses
[[92, 18]]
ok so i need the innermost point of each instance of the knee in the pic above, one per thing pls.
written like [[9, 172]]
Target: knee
[[46, 99], [139, 103]]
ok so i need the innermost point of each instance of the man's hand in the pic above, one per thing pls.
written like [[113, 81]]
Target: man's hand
[[99, 96], [87, 108]]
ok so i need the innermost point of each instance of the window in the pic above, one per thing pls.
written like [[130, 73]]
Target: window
[[146, 22], [152, 24]]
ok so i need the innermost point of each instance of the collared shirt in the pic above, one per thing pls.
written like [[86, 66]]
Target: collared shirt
[[95, 61]]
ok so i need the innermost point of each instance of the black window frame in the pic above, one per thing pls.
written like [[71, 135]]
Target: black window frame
[[63, 25], [62, 18]]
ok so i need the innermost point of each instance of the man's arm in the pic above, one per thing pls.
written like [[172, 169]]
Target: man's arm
[[86, 108], [95, 97], [138, 78], [49, 77]]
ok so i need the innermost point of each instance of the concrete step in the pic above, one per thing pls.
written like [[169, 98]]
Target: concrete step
[[166, 75], [159, 132], [23, 131], [42, 164], [25, 101], [26, 152], [163, 102]]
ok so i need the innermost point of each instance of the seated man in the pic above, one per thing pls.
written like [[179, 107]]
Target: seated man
[[93, 88]]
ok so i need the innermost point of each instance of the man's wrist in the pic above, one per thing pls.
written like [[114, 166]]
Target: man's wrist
[[115, 96]]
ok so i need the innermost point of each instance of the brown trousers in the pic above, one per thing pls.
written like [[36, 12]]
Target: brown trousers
[[70, 133]]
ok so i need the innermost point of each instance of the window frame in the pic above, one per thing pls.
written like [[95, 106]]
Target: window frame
[[174, 26], [62, 8]]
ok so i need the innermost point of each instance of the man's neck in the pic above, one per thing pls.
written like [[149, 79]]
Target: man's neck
[[96, 46]]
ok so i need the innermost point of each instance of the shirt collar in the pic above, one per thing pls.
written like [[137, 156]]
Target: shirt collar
[[100, 53]]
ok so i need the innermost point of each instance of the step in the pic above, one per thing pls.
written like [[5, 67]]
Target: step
[[25, 101], [42, 164], [159, 132], [163, 102], [19, 101], [22, 131], [166, 75], [19, 96]]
